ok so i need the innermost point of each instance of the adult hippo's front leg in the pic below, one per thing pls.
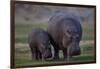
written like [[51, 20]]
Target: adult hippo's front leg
[[66, 54], [56, 53]]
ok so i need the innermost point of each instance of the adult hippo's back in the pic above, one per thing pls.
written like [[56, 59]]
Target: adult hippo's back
[[66, 33]]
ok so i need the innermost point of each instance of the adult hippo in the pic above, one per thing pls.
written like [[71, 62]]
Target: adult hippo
[[39, 43], [66, 33]]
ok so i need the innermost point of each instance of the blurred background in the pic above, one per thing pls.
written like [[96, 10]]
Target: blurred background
[[42, 13]]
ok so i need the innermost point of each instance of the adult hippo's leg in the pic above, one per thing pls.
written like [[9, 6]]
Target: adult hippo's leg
[[56, 53], [66, 54]]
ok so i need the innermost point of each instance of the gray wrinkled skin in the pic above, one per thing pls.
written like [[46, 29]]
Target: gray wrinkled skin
[[66, 33], [39, 43]]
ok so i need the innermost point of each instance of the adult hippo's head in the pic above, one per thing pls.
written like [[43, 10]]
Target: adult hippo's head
[[74, 48], [72, 40]]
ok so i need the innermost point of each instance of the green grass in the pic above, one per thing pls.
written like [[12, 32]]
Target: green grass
[[23, 62], [22, 50], [23, 56]]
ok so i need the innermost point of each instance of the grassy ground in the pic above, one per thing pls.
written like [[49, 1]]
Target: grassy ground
[[23, 54]]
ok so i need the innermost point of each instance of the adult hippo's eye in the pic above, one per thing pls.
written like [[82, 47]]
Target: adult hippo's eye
[[77, 36]]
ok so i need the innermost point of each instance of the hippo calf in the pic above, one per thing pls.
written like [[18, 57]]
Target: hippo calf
[[66, 33], [39, 43]]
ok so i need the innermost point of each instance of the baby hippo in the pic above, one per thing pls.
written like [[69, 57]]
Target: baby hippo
[[39, 43]]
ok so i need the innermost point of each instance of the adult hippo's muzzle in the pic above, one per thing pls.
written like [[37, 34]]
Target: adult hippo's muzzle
[[74, 49]]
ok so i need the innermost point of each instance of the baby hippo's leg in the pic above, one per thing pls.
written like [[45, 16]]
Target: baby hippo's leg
[[33, 52]]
